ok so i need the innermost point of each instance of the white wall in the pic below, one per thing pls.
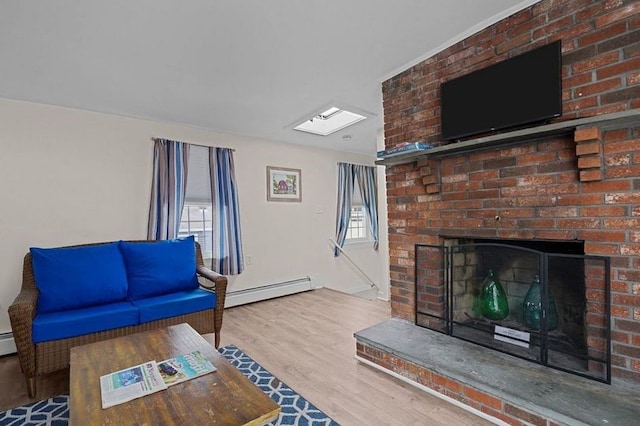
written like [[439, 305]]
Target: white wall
[[70, 177]]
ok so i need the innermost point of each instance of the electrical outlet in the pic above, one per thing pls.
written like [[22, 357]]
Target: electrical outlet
[[249, 260]]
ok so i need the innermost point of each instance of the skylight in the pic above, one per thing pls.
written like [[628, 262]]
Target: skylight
[[329, 121]]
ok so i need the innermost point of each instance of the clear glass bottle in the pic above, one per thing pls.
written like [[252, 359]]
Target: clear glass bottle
[[532, 307], [493, 298]]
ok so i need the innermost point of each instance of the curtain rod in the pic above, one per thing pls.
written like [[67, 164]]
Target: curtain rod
[[194, 144]]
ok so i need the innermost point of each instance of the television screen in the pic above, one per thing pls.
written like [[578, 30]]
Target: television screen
[[520, 90]]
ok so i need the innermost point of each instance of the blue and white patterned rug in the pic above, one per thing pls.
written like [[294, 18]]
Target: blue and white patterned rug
[[295, 410]]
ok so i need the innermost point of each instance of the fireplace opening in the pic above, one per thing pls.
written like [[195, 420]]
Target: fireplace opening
[[546, 302]]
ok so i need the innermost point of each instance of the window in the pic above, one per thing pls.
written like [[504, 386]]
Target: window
[[358, 229], [196, 216], [196, 221]]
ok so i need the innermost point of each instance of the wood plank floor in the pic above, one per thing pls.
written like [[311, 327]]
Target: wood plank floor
[[306, 340]]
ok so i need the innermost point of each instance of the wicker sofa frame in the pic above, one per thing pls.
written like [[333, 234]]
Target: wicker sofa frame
[[46, 357]]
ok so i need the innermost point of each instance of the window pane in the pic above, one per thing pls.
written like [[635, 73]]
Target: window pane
[[358, 226], [196, 221]]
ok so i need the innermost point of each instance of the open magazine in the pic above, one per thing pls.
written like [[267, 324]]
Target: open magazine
[[184, 367], [144, 379], [130, 383]]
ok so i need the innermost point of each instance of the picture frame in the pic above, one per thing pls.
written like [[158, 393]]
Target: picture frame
[[284, 184]]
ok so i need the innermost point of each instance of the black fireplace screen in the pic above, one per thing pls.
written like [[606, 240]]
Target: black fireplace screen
[[546, 307]]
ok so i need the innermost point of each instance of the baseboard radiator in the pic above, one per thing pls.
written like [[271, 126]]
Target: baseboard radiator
[[257, 294], [7, 344]]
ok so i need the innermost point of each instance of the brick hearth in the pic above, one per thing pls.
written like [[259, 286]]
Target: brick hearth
[[495, 384], [584, 186]]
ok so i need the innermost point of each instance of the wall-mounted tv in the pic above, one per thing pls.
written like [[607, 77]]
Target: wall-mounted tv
[[520, 90]]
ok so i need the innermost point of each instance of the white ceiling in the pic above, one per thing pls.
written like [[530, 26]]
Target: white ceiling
[[249, 67]]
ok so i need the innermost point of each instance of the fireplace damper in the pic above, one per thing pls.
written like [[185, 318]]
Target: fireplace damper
[[567, 327]]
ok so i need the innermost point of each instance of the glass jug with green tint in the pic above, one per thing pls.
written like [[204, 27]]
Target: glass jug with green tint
[[493, 299], [532, 307]]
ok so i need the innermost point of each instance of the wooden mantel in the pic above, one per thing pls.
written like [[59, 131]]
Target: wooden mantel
[[604, 122]]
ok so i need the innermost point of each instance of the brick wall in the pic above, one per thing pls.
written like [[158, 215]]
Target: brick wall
[[582, 187]]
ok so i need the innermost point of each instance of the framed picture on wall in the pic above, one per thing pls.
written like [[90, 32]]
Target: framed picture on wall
[[284, 184]]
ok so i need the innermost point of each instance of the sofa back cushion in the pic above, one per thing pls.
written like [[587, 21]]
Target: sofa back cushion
[[160, 267], [77, 277]]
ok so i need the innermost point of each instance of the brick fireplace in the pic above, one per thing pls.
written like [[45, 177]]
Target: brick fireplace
[[571, 335], [582, 186]]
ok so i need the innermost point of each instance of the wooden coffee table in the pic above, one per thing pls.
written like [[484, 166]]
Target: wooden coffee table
[[224, 397]]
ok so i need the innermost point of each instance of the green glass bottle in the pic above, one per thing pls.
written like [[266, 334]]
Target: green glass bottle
[[493, 299], [532, 307]]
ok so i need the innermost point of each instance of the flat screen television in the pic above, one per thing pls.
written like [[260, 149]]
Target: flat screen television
[[520, 90]]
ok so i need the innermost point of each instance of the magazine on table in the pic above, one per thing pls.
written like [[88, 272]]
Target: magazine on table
[[130, 383], [184, 367]]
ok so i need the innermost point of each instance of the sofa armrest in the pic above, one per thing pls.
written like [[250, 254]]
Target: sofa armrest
[[218, 284], [21, 314]]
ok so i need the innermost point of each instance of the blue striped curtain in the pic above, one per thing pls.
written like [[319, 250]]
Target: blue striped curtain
[[343, 213], [168, 188], [366, 176], [228, 258]]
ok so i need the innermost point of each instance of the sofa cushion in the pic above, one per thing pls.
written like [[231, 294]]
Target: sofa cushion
[[160, 267], [75, 277], [78, 322], [171, 305]]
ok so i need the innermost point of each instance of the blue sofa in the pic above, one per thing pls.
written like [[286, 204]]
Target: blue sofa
[[81, 294]]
